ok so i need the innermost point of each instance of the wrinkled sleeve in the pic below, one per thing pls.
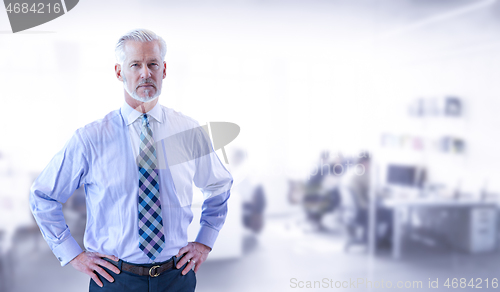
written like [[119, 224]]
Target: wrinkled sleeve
[[57, 182], [215, 182]]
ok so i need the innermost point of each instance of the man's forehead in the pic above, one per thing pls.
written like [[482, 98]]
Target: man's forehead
[[142, 50]]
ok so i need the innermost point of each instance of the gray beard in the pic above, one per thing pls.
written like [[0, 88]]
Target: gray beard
[[135, 96]]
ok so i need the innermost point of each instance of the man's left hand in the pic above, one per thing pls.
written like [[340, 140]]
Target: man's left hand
[[196, 253]]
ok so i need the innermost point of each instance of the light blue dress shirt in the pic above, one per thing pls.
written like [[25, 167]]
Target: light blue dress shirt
[[102, 156]]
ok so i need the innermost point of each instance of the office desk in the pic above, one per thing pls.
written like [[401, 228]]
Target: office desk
[[472, 224]]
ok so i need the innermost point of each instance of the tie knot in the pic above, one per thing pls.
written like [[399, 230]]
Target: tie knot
[[145, 121]]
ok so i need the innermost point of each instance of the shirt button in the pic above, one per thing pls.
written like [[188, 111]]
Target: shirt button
[[60, 259]]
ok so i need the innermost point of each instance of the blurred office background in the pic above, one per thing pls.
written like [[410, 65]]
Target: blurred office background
[[368, 144]]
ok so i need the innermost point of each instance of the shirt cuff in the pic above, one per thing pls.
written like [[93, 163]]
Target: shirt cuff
[[67, 251], [207, 236]]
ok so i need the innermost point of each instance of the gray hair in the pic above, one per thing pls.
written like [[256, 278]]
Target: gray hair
[[138, 35]]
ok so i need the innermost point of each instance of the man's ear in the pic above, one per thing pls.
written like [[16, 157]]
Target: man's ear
[[164, 69], [118, 72]]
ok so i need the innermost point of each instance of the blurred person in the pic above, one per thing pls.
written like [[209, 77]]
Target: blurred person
[[357, 181], [321, 192], [253, 210], [138, 211], [252, 194]]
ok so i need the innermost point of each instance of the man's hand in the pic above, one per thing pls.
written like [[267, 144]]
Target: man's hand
[[88, 262], [196, 253]]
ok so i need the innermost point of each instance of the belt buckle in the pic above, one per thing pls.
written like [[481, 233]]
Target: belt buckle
[[154, 270]]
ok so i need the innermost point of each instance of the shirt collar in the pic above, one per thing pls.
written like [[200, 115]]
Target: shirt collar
[[129, 114]]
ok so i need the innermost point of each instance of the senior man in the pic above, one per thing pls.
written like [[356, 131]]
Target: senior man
[[138, 185]]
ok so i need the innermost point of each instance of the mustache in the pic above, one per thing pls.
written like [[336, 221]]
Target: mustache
[[147, 80]]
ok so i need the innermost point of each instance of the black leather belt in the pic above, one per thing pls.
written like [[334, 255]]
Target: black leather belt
[[153, 270]]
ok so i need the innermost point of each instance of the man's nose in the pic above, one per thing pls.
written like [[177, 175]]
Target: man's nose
[[145, 72]]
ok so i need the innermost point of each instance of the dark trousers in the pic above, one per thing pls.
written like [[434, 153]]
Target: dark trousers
[[171, 280]]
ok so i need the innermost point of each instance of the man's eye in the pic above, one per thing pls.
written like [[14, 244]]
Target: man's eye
[[133, 65]]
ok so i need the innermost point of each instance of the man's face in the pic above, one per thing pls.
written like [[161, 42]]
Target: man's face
[[142, 71]]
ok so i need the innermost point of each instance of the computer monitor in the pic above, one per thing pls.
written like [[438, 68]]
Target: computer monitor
[[402, 175]]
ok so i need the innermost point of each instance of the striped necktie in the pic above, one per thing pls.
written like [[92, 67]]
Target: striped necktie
[[151, 238]]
